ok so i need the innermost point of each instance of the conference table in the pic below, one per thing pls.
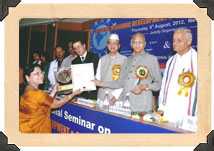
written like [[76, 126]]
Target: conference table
[[76, 118]]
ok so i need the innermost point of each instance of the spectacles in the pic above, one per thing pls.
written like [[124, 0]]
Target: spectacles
[[137, 42], [113, 44], [38, 73], [78, 47]]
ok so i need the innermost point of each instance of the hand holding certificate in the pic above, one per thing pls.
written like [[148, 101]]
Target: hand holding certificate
[[82, 76]]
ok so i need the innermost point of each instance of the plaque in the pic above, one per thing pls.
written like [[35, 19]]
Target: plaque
[[64, 78]]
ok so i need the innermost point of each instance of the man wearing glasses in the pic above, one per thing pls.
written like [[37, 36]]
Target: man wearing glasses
[[109, 67], [140, 75]]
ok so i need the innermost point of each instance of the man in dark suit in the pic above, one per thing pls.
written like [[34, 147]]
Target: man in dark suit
[[85, 57]]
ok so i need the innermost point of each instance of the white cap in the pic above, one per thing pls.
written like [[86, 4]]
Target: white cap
[[114, 37]]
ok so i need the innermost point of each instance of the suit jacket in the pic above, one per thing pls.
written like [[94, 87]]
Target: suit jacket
[[90, 58]]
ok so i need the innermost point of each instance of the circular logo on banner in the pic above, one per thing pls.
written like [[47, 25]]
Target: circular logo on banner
[[64, 76], [141, 72], [100, 39]]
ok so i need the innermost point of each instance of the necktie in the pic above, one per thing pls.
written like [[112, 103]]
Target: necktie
[[83, 59]]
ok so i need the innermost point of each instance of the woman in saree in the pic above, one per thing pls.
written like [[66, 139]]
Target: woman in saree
[[36, 105]]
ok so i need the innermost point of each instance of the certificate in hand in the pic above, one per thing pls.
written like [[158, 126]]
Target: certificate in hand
[[82, 74]]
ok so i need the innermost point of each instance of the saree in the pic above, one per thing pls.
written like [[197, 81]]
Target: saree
[[34, 112]]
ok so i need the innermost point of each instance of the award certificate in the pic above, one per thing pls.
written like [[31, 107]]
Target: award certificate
[[82, 74]]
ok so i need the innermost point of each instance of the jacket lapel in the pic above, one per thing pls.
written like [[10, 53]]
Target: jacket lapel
[[87, 58]]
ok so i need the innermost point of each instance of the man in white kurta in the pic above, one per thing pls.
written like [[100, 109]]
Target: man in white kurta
[[173, 106], [55, 64]]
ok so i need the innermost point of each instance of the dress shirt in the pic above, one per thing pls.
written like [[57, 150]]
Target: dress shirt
[[38, 62], [83, 57], [51, 75]]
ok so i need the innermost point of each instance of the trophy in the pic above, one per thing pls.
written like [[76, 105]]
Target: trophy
[[64, 78]]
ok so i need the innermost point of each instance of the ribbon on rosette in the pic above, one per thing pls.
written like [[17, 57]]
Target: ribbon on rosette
[[141, 73], [185, 80], [116, 71]]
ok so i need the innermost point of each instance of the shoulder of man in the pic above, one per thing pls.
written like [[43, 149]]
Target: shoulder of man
[[94, 55], [129, 57], [122, 56], [66, 58], [53, 62], [194, 51], [126, 60], [76, 60], [150, 55], [103, 57], [170, 59]]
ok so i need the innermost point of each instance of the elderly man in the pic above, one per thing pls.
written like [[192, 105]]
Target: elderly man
[[178, 95], [68, 60], [140, 75], [108, 66], [85, 57], [55, 64]]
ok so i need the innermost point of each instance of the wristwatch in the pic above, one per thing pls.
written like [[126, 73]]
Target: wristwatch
[[147, 88]]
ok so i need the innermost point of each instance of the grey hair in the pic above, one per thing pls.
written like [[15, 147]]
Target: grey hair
[[186, 30], [140, 34]]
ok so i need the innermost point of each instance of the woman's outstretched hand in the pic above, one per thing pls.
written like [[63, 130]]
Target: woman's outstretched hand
[[97, 83]]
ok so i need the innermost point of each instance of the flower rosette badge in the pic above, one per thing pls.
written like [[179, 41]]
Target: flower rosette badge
[[116, 71], [64, 76], [141, 73], [185, 80]]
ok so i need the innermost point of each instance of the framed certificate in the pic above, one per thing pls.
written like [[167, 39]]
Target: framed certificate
[[82, 74]]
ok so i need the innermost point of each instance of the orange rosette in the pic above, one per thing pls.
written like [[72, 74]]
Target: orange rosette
[[141, 73], [185, 80], [116, 71]]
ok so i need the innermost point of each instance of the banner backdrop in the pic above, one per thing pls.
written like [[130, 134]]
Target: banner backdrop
[[158, 34]]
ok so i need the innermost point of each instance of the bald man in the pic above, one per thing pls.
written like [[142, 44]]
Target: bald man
[[139, 76], [176, 105]]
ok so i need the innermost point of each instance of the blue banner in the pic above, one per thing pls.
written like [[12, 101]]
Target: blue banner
[[158, 34], [75, 119]]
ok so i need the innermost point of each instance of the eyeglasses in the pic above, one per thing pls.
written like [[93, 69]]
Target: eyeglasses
[[113, 44], [78, 47], [38, 73], [137, 42]]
